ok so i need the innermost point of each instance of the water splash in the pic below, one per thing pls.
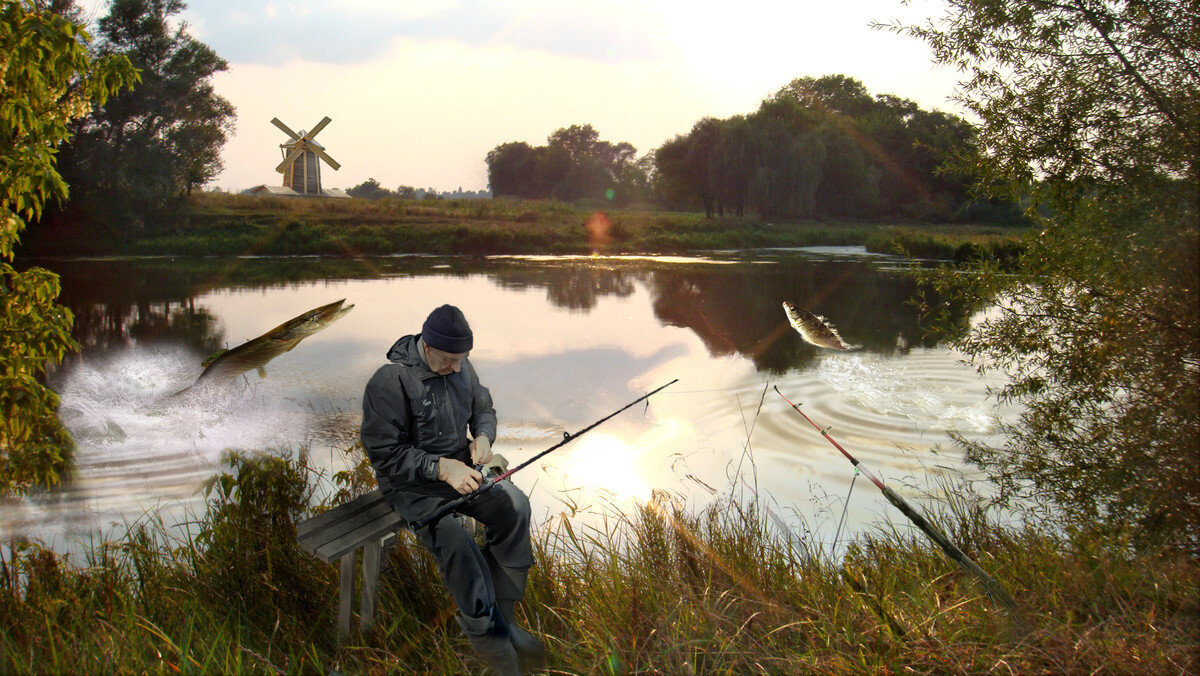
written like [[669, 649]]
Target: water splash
[[121, 406], [136, 446], [926, 391]]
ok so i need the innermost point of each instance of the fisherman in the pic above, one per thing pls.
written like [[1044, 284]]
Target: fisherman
[[417, 412]]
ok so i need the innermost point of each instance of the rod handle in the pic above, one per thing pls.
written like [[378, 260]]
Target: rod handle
[[453, 505]]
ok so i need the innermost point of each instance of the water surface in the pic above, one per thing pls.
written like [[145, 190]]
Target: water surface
[[560, 341]]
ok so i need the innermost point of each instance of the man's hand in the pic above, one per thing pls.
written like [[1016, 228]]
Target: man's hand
[[481, 450], [460, 477]]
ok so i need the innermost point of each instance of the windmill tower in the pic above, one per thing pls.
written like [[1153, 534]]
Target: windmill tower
[[301, 166]]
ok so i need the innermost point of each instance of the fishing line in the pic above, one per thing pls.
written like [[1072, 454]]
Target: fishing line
[[717, 389]]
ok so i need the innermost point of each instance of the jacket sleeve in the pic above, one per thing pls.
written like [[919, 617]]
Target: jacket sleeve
[[386, 436], [483, 415]]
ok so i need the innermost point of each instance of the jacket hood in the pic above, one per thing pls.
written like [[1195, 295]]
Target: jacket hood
[[404, 352]]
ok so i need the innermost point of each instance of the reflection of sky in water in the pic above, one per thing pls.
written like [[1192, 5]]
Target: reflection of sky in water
[[550, 369]]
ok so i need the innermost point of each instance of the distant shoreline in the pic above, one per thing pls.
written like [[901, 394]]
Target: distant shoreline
[[214, 224]]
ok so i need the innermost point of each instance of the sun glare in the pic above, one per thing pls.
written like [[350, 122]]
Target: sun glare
[[609, 464]]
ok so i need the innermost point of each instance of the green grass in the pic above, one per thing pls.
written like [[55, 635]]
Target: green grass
[[956, 243], [659, 590], [222, 224]]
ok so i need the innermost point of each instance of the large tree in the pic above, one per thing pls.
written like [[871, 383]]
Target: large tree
[[512, 170], [141, 151], [574, 164], [49, 80], [1092, 107]]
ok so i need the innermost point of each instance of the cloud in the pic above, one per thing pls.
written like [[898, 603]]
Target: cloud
[[355, 31], [406, 8], [426, 113], [612, 32]]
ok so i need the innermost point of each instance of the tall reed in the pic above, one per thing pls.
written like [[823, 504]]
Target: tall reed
[[658, 589]]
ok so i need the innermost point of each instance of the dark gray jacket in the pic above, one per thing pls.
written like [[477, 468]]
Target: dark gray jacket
[[412, 417]]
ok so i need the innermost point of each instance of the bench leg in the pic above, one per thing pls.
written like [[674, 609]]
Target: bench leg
[[370, 584], [345, 594]]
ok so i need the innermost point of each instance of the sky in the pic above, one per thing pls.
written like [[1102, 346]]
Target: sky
[[420, 90]]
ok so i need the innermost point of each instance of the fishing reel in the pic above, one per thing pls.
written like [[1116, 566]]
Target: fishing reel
[[493, 468]]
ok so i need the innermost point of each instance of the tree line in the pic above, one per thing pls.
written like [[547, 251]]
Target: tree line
[[818, 148], [371, 189]]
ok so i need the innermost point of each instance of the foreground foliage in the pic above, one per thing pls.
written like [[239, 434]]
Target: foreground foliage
[[1091, 108], [661, 589], [49, 80]]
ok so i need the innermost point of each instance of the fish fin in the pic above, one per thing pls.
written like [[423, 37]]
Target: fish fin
[[829, 325], [213, 357], [842, 344], [262, 372]]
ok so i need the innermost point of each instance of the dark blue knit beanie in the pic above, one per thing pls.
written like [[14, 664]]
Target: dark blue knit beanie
[[447, 330]]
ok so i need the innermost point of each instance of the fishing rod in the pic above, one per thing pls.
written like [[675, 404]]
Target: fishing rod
[[991, 586], [487, 484]]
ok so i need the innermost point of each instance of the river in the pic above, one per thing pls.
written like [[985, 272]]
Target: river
[[559, 341]]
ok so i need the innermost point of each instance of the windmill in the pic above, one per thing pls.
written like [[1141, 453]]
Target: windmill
[[301, 167]]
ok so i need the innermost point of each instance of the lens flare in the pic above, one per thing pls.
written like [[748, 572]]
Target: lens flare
[[599, 231]]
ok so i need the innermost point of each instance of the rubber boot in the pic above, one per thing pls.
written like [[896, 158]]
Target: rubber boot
[[491, 641], [509, 584]]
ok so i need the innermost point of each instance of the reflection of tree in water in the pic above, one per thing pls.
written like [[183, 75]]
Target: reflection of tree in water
[[119, 304], [576, 288], [739, 308], [103, 327], [732, 308]]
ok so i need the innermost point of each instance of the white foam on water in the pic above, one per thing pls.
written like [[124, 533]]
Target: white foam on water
[[138, 447], [931, 393], [123, 407]]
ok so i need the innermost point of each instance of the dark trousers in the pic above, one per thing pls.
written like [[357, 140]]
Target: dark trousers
[[504, 512]]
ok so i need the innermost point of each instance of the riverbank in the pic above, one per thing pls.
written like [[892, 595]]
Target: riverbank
[[662, 590], [224, 225]]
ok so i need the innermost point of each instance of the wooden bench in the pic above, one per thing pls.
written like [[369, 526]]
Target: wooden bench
[[337, 535]]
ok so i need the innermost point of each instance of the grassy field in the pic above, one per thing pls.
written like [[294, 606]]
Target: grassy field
[[223, 224], [662, 590]]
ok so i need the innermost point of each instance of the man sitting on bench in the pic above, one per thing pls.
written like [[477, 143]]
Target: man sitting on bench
[[417, 411]]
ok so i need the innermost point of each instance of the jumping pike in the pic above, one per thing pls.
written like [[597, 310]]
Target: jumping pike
[[254, 354], [814, 329]]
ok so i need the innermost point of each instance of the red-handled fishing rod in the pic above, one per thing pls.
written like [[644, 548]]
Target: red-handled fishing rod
[[991, 586], [487, 485]]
